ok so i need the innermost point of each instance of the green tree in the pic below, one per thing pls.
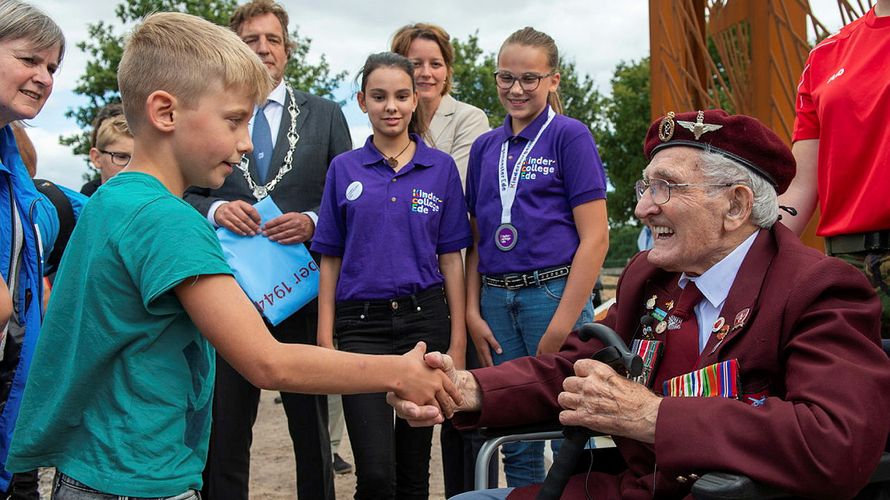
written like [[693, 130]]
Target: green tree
[[473, 78], [104, 46], [620, 135]]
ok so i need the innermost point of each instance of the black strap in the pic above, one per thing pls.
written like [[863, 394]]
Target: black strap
[[66, 219]]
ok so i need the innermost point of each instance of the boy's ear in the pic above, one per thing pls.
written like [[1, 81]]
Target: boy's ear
[[159, 108], [94, 157]]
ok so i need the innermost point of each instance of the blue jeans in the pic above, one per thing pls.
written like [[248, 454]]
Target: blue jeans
[[67, 488], [518, 320]]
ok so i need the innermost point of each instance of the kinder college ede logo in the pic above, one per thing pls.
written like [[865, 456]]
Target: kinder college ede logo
[[424, 202]]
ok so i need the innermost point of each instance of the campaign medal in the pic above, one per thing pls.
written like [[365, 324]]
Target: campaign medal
[[650, 352], [505, 237], [650, 304]]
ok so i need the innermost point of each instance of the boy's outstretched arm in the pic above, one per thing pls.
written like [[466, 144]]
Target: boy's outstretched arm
[[5, 304], [225, 316]]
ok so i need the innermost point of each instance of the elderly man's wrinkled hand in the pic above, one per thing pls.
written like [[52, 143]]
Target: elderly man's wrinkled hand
[[427, 393], [601, 400]]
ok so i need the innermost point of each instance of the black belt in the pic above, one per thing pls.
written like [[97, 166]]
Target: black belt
[[515, 281], [859, 242], [406, 302]]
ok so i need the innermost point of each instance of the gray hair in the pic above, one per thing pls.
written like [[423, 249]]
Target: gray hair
[[718, 169], [20, 21]]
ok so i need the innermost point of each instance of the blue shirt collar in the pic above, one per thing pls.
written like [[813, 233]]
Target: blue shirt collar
[[528, 133], [423, 157], [716, 281]]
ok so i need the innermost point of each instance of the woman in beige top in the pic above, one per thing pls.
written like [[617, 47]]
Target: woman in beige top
[[452, 125]]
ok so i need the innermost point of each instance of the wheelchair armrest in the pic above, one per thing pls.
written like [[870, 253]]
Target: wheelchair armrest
[[726, 486]]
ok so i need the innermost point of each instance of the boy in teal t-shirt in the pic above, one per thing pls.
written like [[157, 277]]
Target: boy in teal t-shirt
[[119, 395]]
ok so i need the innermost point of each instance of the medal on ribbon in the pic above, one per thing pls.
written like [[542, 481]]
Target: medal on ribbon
[[650, 351], [506, 235]]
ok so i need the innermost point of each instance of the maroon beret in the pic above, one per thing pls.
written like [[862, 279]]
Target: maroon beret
[[737, 137]]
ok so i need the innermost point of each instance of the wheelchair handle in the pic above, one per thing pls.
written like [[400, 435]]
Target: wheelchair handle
[[616, 353]]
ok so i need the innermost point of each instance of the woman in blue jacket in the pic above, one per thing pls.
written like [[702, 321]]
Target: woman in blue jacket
[[31, 49]]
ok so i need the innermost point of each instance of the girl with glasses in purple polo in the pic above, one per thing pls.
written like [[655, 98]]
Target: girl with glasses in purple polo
[[392, 224], [536, 194]]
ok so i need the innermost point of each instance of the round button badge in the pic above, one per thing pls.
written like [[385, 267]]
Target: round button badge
[[354, 190]]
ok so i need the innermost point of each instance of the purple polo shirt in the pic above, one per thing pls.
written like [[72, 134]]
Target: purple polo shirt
[[562, 171], [390, 227]]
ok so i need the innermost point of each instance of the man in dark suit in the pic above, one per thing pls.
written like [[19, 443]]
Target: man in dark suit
[[769, 358], [295, 137]]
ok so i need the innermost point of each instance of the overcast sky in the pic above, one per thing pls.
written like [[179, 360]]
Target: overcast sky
[[596, 34]]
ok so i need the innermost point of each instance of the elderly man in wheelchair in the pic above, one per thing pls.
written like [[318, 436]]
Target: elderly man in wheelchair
[[761, 357]]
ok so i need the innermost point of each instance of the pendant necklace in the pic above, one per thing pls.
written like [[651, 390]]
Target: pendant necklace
[[393, 161]]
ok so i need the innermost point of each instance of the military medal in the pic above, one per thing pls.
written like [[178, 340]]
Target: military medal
[[650, 304], [650, 351], [717, 380], [506, 235]]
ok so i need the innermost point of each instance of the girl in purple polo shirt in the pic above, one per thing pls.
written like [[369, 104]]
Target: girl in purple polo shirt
[[536, 194], [391, 227]]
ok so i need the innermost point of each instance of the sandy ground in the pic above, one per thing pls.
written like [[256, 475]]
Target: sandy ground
[[272, 471]]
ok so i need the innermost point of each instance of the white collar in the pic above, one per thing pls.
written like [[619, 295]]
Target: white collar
[[716, 282], [279, 94]]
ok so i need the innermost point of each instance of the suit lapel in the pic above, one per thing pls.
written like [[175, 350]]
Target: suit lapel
[[442, 118], [741, 304]]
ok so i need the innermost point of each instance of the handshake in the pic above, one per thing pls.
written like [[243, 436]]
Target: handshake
[[463, 395], [593, 395]]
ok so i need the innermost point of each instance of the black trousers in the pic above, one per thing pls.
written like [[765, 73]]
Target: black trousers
[[391, 461], [227, 473]]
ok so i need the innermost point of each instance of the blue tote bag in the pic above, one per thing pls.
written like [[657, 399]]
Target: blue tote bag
[[279, 279]]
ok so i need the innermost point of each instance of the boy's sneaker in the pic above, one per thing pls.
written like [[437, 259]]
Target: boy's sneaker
[[341, 466]]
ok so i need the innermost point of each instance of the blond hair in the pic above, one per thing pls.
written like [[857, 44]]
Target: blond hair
[[531, 37], [259, 8], [110, 130], [406, 35], [184, 55]]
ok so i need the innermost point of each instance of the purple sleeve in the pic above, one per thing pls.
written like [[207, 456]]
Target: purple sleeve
[[454, 228], [330, 232], [585, 178], [473, 169]]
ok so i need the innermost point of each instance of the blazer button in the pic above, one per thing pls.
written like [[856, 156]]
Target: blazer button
[[681, 479], [694, 477]]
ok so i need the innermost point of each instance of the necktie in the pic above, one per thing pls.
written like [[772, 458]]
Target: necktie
[[262, 143], [681, 345]]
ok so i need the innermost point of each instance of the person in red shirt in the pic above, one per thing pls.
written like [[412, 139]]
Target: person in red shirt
[[842, 148]]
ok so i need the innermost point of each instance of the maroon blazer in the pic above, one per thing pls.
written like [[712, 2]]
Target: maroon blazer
[[809, 354]]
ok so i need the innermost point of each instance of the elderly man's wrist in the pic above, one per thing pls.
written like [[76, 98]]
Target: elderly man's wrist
[[470, 390]]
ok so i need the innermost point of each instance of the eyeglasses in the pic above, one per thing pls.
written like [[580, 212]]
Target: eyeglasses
[[529, 82], [119, 159], [660, 189]]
